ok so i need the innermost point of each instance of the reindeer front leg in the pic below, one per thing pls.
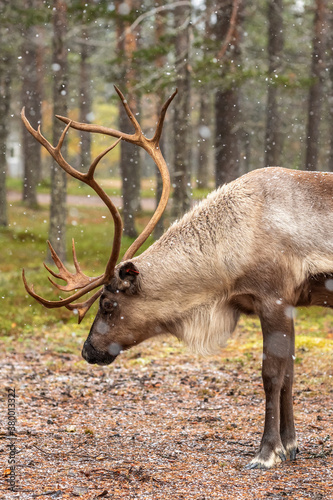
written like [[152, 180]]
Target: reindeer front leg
[[277, 371], [287, 426]]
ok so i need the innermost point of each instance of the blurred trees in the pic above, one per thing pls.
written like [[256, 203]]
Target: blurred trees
[[225, 56], [127, 45], [6, 74], [32, 97], [273, 142], [181, 119], [205, 108], [58, 212], [227, 110], [318, 68], [160, 31], [85, 94]]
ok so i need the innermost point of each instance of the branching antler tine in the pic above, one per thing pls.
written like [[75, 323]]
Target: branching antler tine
[[55, 152], [56, 275], [160, 123], [62, 137], [76, 263], [63, 302], [63, 288], [94, 164], [31, 292], [79, 280], [129, 111], [98, 129], [83, 307], [26, 121], [74, 281], [56, 260], [35, 133]]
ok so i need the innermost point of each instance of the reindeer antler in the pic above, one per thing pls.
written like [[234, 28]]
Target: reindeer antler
[[149, 145], [80, 281]]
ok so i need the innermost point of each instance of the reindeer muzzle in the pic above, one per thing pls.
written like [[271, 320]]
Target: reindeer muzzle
[[94, 357]]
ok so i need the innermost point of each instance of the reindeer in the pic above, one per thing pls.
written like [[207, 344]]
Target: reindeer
[[261, 244]]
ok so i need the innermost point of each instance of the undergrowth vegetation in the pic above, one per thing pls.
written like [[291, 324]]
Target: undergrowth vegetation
[[24, 322]]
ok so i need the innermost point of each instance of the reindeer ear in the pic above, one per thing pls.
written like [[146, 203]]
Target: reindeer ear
[[128, 271], [128, 274]]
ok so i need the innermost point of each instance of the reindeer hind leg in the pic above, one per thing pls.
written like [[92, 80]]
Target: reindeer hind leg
[[278, 333], [287, 426]]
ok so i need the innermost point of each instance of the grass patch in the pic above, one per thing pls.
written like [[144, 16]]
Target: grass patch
[[111, 186], [23, 245], [26, 324]]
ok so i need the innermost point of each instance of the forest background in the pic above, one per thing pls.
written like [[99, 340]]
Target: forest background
[[254, 79], [255, 89]]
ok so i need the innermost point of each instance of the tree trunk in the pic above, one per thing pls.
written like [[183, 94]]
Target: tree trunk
[[227, 100], [129, 156], [5, 95], [204, 140], [316, 89], [330, 97], [57, 232], [205, 112], [32, 100], [6, 77], [85, 101], [160, 61], [182, 171], [273, 139], [226, 141]]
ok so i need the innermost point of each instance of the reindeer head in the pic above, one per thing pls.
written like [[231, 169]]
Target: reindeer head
[[120, 322], [120, 284]]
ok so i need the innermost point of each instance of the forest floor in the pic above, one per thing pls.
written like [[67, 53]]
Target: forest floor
[[160, 423]]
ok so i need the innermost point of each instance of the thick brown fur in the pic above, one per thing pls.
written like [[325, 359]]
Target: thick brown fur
[[262, 244]]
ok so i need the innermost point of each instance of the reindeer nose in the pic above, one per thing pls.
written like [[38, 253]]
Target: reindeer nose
[[90, 354], [85, 351]]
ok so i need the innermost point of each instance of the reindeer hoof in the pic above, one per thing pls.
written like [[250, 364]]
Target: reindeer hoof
[[291, 450], [266, 461]]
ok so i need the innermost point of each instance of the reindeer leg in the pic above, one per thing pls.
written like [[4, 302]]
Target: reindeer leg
[[287, 426], [278, 333]]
